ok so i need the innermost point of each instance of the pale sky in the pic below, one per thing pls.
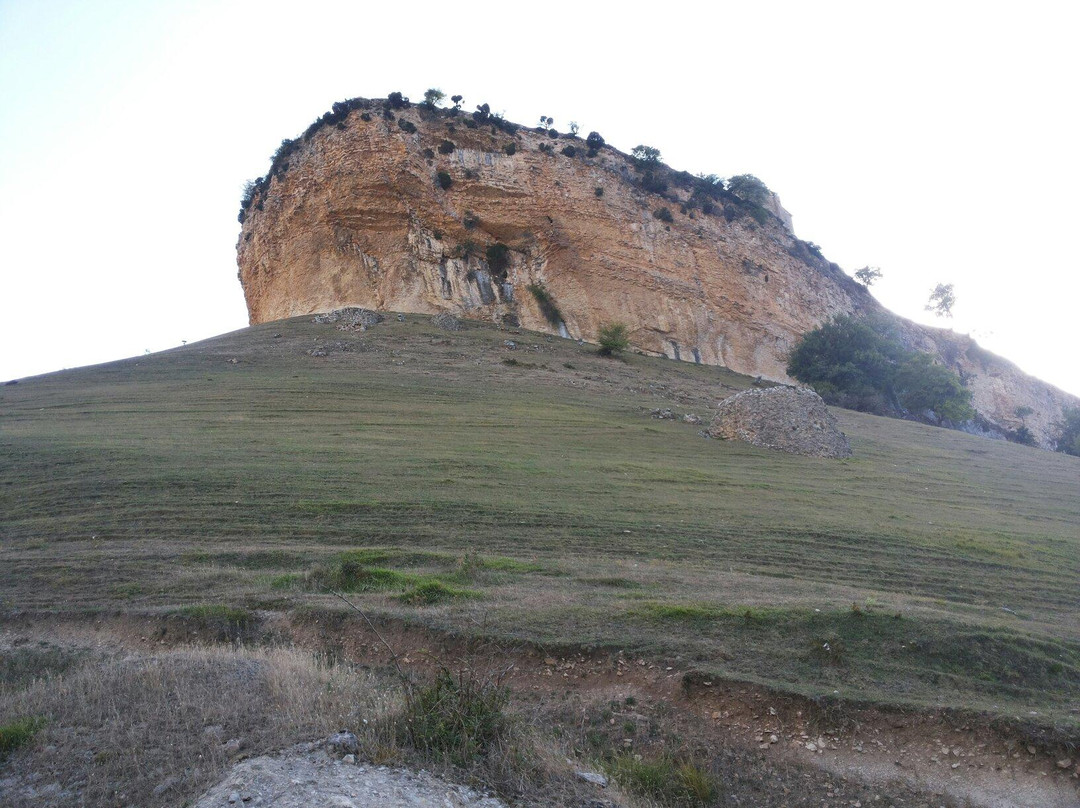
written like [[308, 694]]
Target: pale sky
[[935, 140]]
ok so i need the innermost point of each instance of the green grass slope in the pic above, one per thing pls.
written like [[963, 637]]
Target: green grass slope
[[526, 493]]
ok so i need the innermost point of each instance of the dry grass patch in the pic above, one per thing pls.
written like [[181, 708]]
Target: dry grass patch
[[150, 730]]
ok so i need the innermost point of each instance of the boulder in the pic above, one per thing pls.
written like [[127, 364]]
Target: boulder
[[790, 419]]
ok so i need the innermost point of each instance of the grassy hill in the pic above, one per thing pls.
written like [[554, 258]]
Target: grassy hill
[[443, 478]]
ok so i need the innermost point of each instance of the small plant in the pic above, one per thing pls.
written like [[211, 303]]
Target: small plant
[[457, 99], [447, 147], [397, 101], [408, 127], [664, 780], [456, 718], [598, 190], [663, 214], [614, 338], [545, 147], [430, 593], [569, 151], [428, 154], [510, 149], [444, 180], [471, 220], [553, 134], [17, 733]]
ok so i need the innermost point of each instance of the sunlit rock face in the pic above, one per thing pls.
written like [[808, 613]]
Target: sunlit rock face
[[358, 217]]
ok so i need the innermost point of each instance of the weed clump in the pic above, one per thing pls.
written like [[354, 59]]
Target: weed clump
[[664, 780], [457, 718], [17, 733], [430, 593], [350, 574]]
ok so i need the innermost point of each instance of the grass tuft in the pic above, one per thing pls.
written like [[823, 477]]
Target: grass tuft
[[664, 780], [430, 593], [17, 733]]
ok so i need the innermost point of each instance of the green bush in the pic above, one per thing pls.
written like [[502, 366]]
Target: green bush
[[666, 781], [447, 147], [510, 149], [17, 733], [456, 718], [445, 180], [598, 190], [613, 338], [663, 214], [859, 364], [570, 151], [1068, 440]]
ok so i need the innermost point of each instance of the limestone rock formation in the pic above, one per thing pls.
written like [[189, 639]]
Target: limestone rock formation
[[549, 235], [790, 419]]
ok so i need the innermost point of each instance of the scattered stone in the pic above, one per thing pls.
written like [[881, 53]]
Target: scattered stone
[[788, 419], [234, 797], [593, 777], [329, 348], [509, 343], [663, 414], [343, 743], [447, 322], [1064, 763], [349, 759], [232, 747], [401, 318], [691, 418]]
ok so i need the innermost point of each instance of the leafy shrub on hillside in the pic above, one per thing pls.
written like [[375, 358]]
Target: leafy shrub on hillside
[[663, 214], [510, 149], [570, 151], [1068, 440], [613, 338], [447, 147], [858, 364], [445, 180]]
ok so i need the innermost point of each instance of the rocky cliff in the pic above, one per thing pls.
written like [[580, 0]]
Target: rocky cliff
[[420, 210]]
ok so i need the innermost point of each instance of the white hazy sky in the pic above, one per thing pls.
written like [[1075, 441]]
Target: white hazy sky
[[936, 140]]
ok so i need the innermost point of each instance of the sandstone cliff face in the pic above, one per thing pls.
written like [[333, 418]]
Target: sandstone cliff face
[[358, 218]]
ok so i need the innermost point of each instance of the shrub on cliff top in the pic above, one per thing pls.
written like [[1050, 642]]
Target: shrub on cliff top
[[444, 180]]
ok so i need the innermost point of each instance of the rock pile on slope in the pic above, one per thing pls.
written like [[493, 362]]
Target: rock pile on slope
[[351, 316], [447, 322], [790, 419]]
